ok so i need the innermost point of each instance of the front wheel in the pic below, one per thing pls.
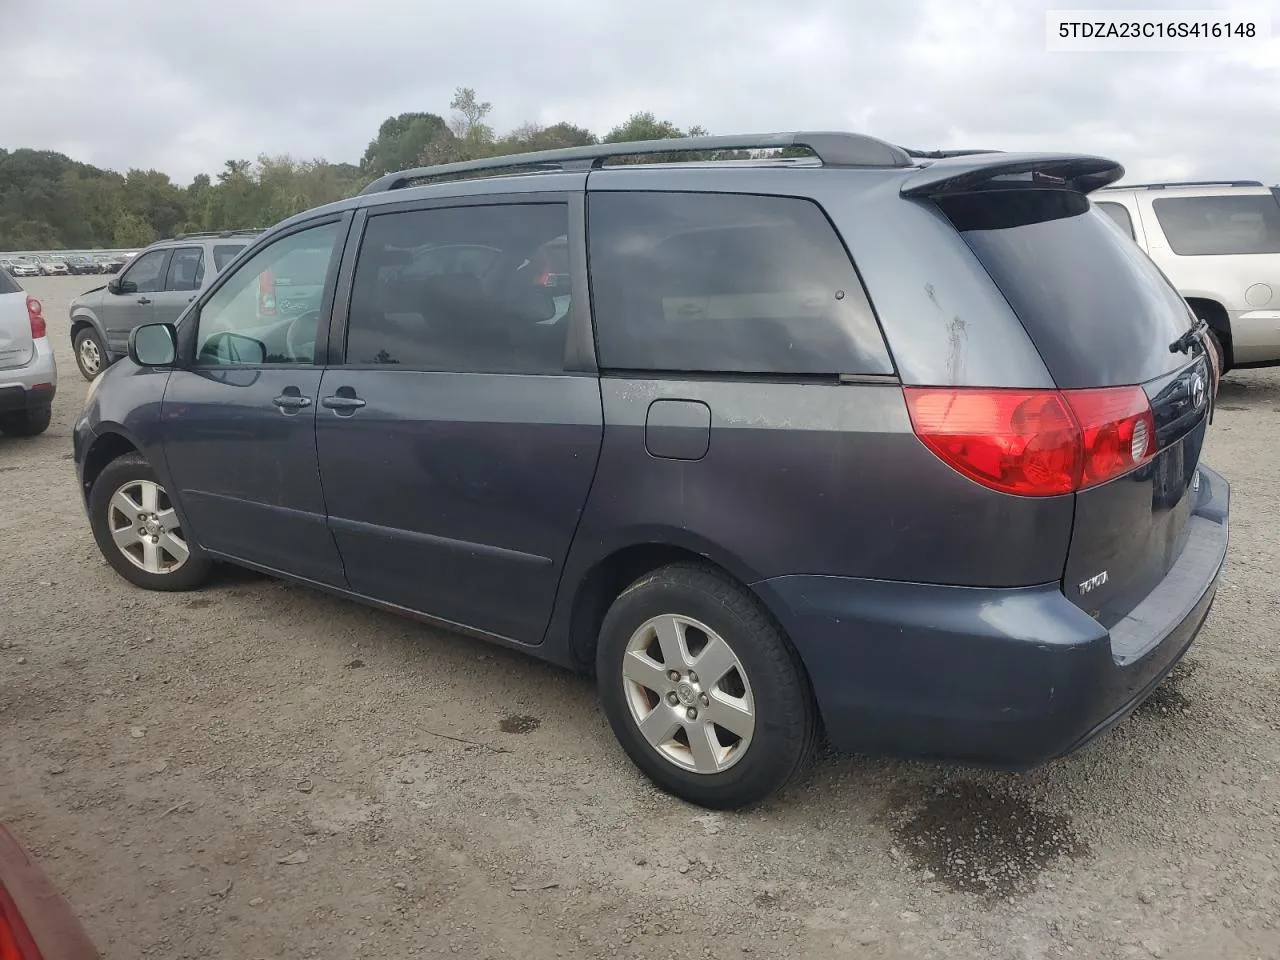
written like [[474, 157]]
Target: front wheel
[[91, 353], [138, 530], [702, 690]]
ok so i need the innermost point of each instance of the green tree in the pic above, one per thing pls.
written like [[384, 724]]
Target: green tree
[[402, 140], [132, 231]]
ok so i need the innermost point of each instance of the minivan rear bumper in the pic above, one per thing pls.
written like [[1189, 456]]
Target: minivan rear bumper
[[1002, 677]]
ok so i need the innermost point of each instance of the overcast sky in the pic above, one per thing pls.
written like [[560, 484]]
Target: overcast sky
[[182, 86]]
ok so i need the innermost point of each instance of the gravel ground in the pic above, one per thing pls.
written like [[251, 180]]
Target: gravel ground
[[258, 771]]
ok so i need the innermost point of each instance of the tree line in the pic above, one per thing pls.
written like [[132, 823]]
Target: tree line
[[49, 201]]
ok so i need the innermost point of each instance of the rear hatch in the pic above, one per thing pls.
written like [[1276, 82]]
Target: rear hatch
[[1103, 317], [16, 346]]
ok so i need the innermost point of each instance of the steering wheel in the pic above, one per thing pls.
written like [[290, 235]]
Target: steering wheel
[[299, 348]]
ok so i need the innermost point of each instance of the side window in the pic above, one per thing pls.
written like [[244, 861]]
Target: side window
[[145, 273], [224, 253], [186, 269], [725, 283], [462, 289], [240, 324], [1220, 226], [1119, 213]]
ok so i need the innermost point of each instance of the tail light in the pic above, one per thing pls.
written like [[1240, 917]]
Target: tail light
[[1035, 443], [267, 294], [35, 315]]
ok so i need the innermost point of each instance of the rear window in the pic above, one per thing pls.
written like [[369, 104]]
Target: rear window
[[1217, 226], [7, 283], [224, 253], [1098, 310], [725, 283]]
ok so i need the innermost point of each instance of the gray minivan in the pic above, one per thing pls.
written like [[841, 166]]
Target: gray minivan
[[900, 448]]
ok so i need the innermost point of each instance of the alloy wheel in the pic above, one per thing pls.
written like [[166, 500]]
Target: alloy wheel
[[145, 527], [688, 694]]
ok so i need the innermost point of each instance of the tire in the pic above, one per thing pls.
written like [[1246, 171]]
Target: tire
[[765, 693], [87, 345], [27, 423], [156, 565]]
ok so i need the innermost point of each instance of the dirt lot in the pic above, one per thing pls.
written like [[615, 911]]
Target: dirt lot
[[257, 771]]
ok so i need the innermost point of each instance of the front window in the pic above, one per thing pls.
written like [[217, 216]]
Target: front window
[[146, 273], [243, 323]]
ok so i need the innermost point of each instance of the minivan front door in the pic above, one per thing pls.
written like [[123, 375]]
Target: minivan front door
[[239, 419], [456, 449]]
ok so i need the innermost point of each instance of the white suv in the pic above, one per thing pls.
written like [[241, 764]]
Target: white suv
[[1219, 243]]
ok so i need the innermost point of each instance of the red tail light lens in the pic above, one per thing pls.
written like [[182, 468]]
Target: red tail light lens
[[1035, 443], [1118, 431], [35, 314]]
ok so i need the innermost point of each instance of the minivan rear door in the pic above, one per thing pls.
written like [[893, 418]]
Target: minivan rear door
[[1101, 314]]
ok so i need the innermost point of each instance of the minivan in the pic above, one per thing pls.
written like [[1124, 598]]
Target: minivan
[[897, 449]]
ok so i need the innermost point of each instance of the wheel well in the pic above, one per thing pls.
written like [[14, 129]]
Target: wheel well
[[108, 447], [1215, 315], [608, 578]]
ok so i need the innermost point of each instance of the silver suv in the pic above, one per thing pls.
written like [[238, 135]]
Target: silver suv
[[155, 287], [1219, 242]]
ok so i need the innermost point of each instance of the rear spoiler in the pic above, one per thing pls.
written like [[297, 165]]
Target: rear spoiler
[[965, 174]]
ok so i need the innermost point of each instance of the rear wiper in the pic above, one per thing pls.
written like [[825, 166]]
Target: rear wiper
[[1188, 339]]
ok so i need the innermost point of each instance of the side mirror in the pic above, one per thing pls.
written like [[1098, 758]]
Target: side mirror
[[122, 286], [232, 348], [113, 285], [154, 345]]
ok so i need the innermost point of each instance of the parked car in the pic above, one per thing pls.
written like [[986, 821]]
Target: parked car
[[36, 922], [52, 267], [109, 264], [1219, 244], [156, 286], [81, 265], [950, 502], [28, 372], [24, 267]]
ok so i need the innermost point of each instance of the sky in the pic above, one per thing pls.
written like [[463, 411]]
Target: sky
[[182, 87]]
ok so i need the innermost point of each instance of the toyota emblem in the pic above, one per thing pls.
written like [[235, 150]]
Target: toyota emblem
[[1197, 391]]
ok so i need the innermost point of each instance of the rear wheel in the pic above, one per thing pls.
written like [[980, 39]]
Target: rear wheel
[[27, 423], [91, 353], [138, 530], [702, 690]]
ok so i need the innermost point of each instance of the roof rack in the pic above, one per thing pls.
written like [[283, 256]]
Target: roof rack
[[218, 233], [944, 154], [1185, 183], [833, 149]]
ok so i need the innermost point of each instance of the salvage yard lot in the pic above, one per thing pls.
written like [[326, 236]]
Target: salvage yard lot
[[257, 770]]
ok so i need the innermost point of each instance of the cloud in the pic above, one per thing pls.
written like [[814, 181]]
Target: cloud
[[182, 87]]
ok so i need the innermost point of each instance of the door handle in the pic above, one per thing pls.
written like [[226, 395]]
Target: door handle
[[291, 401], [144, 300], [342, 403]]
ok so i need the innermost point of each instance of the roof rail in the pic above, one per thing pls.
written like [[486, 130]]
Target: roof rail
[[217, 233], [1185, 183], [833, 149], [944, 154]]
